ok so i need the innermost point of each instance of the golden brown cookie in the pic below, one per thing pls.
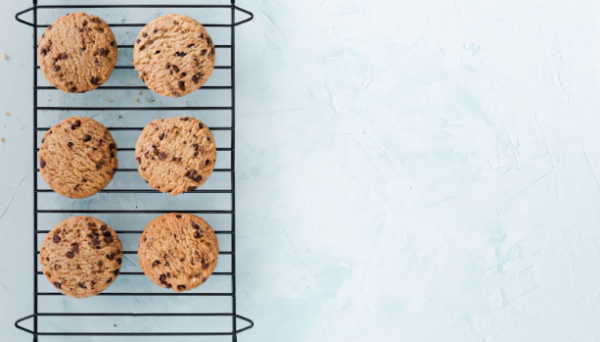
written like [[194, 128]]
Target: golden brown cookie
[[174, 55], [78, 157], [77, 53], [178, 251], [176, 154], [81, 256]]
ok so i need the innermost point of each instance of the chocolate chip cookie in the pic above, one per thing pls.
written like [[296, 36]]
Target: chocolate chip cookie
[[78, 157], [77, 53], [178, 251], [174, 55], [176, 155], [81, 256]]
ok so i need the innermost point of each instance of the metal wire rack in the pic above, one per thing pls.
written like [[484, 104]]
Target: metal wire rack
[[132, 306]]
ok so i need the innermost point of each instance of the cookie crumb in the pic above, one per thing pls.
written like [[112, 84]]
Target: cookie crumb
[[137, 100], [109, 100], [6, 113], [2, 139], [140, 92], [5, 56]]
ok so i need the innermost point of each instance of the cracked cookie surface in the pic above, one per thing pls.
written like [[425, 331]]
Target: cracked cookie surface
[[178, 251], [174, 55], [78, 157], [81, 256], [176, 155], [77, 53]]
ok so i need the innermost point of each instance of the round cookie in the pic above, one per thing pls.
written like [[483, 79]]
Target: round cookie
[[178, 251], [174, 55], [77, 53], [78, 157], [81, 256], [176, 155]]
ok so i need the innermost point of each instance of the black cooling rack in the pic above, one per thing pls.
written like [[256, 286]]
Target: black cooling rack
[[67, 323]]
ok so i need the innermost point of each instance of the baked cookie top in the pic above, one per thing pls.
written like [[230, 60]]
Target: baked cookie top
[[178, 251], [81, 256], [176, 155], [77, 53], [78, 157], [174, 55]]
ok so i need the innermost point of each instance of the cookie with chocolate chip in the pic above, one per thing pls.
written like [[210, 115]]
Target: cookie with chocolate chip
[[78, 157], [178, 251], [176, 155], [77, 53], [81, 256], [174, 55]]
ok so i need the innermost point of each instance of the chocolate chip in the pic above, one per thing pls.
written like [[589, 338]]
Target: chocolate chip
[[95, 241], [155, 30], [58, 285], [87, 138], [175, 68], [110, 256], [202, 35], [70, 144], [195, 226], [175, 22], [163, 277], [212, 50], [207, 162], [70, 255], [144, 35], [103, 228], [116, 272], [139, 160], [185, 118], [191, 174], [76, 124], [94, 80], [198, 234], [196, 78], [192, 188], [73, 89], [82, 285], [143, 48], [157, 52], [108, 239], [75, 249], [161, 136], [56, 68], [42, 163], [83, 48], [204, 266], [168, 285], [85, 22], [119, 261], [203, 52], [198, 178], [181, 287], [56, 239], [101, 51], [108, 280], [183, 74], [162, 155], [156, 263], [178, 216], [180, 54], [99, 166], [167, 264], [96, 20], [49, 27], [112, 146], [112, 43], [64, 56]]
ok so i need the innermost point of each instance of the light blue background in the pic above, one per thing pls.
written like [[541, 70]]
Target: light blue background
[[406, 170]]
